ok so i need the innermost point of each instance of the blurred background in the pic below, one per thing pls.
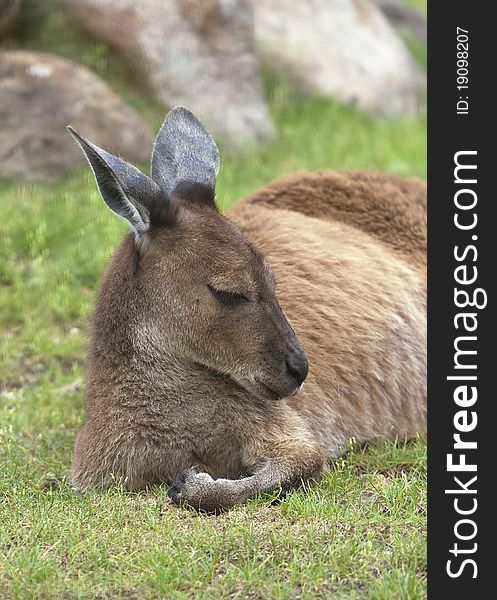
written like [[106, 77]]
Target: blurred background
[[282, 84]]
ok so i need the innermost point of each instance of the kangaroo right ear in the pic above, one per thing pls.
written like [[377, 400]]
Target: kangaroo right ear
[[126, 190], [185, 157]]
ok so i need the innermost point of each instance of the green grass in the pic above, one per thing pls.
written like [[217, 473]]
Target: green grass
[[419, 4], [359, 533]]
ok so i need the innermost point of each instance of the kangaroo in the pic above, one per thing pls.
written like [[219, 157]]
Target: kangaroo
[[205, 326]]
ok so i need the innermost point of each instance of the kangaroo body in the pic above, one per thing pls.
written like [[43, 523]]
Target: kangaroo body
[[347, 253], [166, 404]]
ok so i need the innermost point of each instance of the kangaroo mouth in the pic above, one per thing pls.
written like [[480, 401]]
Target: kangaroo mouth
[[275, 395], [268, 391], [258, 387], [255, 385]]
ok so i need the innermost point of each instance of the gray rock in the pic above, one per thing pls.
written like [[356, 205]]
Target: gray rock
[[404, 17], [340, 48], [196, 53], [39, 95]]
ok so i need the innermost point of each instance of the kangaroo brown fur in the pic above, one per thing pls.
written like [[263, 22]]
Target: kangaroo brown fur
[[192, 360]]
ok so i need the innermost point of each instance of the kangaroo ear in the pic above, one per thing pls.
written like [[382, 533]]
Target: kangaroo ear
[[126, 190], [185, 158]]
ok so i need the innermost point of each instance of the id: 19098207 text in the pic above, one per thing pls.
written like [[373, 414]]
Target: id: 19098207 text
[[462, 54]]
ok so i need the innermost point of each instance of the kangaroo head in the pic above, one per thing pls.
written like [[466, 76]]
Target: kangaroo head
[[209, 294]]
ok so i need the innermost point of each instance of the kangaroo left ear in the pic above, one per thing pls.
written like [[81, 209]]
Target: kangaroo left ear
[[127, 191], [185, 158]]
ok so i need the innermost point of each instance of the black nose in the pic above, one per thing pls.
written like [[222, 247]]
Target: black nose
[[297, 366]]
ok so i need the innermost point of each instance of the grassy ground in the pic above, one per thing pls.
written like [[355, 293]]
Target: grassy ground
[[360, 533]]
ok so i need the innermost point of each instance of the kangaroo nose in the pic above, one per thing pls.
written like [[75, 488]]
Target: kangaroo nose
[[297, 366]]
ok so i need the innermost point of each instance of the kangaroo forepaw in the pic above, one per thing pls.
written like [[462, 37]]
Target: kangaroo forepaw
[[192, 488]]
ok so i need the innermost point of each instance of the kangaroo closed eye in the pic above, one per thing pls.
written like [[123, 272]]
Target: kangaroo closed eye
[[228, 298]]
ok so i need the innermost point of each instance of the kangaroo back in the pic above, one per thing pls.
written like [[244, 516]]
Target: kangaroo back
[[391, 209]]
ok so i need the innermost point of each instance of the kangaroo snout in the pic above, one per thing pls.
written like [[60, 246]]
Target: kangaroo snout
[[286, 375], [296, 367], [290, 366]]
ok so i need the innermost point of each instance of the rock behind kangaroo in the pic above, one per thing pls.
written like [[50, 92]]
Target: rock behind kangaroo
[[205, 326]]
